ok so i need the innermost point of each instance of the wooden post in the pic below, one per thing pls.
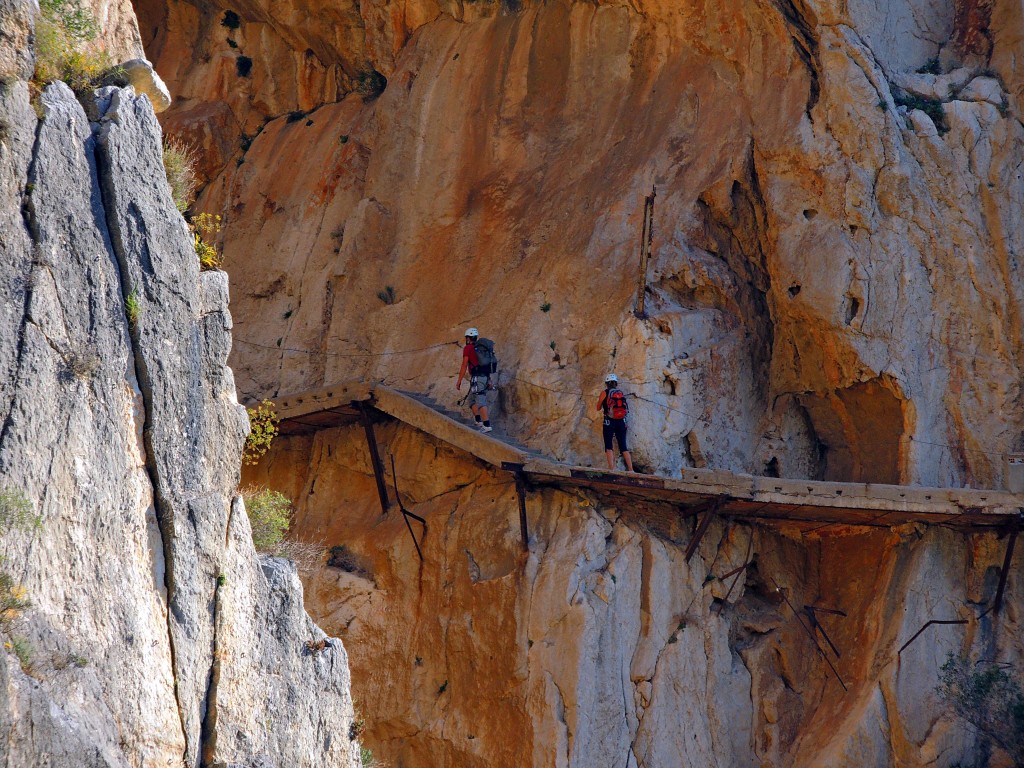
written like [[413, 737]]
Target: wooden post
[[998, 603], [521, 492], [702, 528], [378, 468], [646, 238]]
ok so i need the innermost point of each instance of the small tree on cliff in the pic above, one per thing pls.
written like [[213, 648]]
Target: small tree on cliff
[[986, 696]]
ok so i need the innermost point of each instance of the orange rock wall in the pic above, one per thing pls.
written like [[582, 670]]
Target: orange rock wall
[[602, 647], [813, 239], [834, 292]]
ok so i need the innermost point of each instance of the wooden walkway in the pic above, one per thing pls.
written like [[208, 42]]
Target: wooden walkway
[[721, 492]]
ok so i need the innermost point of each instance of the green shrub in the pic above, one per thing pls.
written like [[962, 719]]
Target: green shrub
[[269, 513], [179, 167], [262, 431], [387, 295], [16, 511], [205, 227], [132, 308], [243, 65], [23, 649], [367, 759], [370, 84], [67, 48], [12, 599], [930, 107], [231, 20], [988, 698]]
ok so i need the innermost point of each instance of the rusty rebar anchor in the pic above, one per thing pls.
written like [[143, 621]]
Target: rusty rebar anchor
[[926, 625], [812, 617], [521, 489], [712, 508], [998, 602], [809, 631], [406, 514], [375, 462]]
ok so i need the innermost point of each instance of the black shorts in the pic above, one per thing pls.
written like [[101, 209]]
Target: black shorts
[[616, 427]]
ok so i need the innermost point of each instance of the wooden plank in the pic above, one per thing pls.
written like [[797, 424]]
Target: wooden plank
[[749, 497], [426, 419]]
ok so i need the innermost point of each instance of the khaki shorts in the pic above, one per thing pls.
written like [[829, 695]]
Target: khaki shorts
[[478, 391]]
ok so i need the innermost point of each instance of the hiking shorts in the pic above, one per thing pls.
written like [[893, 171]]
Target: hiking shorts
[[616, 428], [478, 391]]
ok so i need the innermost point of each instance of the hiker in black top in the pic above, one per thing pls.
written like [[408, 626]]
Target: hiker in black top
[[613, 403]]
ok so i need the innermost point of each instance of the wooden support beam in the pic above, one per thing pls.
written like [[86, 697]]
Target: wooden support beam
[[521, 493], [997, 604], [702, 528], [696, 509], [520, 476], [378, 467]]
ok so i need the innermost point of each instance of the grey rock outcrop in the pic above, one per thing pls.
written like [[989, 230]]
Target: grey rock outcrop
[[144, 79], [155, 635]]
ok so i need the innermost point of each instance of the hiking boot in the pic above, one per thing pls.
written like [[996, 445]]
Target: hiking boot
[[486, 429]]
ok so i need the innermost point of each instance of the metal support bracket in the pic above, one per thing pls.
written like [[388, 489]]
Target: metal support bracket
[[524, 531], [406, 514], [378, 467], [922, 629], [809, 631], [998, 602], [521, 488], [702, 527], [812, 617]]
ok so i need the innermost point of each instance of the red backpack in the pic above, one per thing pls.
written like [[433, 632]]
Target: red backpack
[[615, 405]]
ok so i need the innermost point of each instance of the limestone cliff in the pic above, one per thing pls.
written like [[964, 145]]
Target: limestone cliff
[[834, 290], [154, 635], [834, 293]]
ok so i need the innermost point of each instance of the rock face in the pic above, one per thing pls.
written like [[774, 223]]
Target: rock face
[[602, 647], [155, 634], [834, 292]]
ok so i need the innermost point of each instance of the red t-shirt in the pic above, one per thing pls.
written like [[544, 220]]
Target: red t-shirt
[[469, 353]]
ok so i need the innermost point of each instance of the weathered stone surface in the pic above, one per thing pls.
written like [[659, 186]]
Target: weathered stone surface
[[124, 434], [983, 89], [834, 293], [603, 647], [119, 29], [806, 307], [297, 684], [144, 79], [71, 444]]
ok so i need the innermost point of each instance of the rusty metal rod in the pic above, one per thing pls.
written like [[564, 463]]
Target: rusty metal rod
[[521, 493], [809, 633], [646, 239], [406, 514], [922, 629], [702, 528], [378, 468], [998, 602]]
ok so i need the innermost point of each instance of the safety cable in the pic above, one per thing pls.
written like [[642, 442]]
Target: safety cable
[[584, 397], [345, 354]]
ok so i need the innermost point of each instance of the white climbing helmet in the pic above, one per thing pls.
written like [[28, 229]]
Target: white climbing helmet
[[472, 333], [611, 378]]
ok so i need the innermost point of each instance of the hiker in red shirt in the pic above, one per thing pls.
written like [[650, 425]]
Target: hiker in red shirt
[[613, 403], [479, 381]]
